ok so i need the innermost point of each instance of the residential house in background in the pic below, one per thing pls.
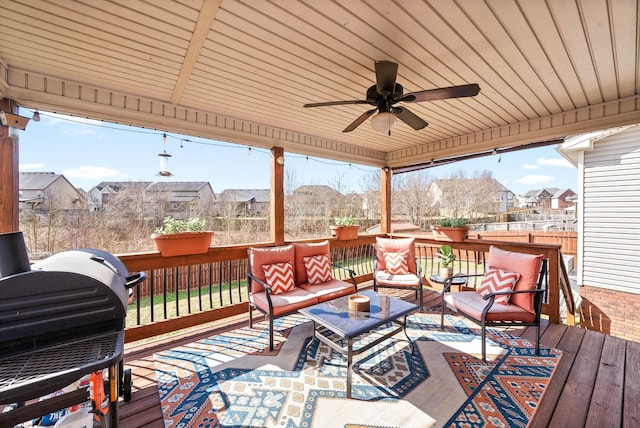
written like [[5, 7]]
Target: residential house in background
[[243, 203], [539, 198], [462, 197], [48, 190], [100, 195], [563, 199], [181, 199], [315, 201]]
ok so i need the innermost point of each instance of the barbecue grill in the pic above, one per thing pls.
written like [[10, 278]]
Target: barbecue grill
[[60, 319]]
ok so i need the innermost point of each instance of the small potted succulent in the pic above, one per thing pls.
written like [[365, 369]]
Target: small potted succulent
[[180, 237], [451, 229], [345, 228], [447, 257]]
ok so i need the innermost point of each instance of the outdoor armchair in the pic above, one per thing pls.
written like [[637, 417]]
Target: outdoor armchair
[[510, 293], [396, 266]]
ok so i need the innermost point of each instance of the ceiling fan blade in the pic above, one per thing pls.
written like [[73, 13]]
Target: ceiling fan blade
[[409, 118], [386, 73], [460, 91], [336, 103], [364, 116]]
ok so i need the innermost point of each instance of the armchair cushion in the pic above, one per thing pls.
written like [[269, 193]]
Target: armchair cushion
[[396, 245], [384, 278], [396, 263], [472, 304], [306, 249], [318, 269], [279, 277], [265, 256], [496, 280], [527, 265]]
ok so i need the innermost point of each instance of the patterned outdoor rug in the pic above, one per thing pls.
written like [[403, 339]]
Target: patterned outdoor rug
[[231, 380]]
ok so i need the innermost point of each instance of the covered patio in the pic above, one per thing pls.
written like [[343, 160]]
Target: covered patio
[[241, 72]]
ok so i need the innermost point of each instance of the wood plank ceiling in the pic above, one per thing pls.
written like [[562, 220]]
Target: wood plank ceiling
[[240, 71]]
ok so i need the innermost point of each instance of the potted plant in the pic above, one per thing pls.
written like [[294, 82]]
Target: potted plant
[[345, 228], [447, 257], [179, 237], [451, 229]]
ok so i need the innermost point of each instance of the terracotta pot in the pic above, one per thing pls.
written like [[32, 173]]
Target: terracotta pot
[[452, 234], [178, 244], [345, 232]]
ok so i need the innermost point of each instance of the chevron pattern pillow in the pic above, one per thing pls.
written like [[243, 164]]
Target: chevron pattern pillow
[[396, 263], [496, 280], [318, 269], [279, 277]]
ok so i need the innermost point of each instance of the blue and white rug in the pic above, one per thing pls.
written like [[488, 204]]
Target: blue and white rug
[[231, 380]]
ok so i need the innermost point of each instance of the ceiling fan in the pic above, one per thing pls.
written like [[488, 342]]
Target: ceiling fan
[[386, 93]]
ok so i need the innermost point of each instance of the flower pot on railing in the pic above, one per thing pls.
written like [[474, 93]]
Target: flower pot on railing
[[178, 244], [345, 232], [452, 234], [181, 237]]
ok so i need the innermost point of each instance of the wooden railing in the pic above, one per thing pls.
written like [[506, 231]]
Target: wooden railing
[[186, 291]]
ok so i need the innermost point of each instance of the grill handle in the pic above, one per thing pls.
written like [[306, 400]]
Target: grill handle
[[135, 279]]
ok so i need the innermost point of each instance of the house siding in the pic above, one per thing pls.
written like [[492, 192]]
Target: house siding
[[611, 212]]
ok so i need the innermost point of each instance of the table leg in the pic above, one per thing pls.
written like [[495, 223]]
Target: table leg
[[349, 363], [313, 336], [413, 346]]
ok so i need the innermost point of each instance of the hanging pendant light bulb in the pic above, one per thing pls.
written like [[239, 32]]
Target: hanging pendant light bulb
[[164, 160]]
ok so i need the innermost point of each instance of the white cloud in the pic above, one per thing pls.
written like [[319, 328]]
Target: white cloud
[[529, 166], [535, 179], [561, 162], [89, 172], [31, 166]]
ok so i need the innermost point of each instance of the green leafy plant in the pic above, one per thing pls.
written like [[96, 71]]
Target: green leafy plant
[[172, 225], [452, 222], [344, 221], [446, 256]]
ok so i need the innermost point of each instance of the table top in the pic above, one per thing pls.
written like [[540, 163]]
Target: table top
[[456, 280], [336, 316]]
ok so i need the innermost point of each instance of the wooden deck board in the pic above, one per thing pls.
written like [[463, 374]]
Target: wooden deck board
[[631, 409], [583, 376], [605, 409]]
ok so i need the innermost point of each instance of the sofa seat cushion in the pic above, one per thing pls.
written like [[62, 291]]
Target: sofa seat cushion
[[472, 304], [285, 303], [406, 280], [330, 290]]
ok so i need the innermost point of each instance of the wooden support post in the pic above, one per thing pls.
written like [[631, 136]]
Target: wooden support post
[[385, 200], [277, 196], [9, 173]]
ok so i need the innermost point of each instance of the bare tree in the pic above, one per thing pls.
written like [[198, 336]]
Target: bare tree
[[411, 199]]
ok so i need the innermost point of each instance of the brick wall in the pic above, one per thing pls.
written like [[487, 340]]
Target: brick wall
[[611, 312]]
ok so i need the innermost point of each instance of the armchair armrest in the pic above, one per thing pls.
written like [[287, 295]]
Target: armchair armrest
[[259, 281], [448, 280]]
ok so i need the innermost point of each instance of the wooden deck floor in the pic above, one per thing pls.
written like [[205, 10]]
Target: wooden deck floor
[[595, 385]]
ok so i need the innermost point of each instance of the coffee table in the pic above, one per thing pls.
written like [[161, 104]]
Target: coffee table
[[335, 317]]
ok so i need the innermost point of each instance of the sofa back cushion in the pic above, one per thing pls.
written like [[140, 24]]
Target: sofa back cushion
[[307, 249], [527, 265], [258, 257], [396, 245]]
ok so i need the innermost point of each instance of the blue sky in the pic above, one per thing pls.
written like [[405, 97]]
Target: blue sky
[[87, 152]]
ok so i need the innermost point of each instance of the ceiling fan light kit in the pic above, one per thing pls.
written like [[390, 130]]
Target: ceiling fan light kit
[[384, 122], [386, 93]]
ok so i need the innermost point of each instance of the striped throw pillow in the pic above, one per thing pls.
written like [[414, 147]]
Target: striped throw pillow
[[396, 263], [279, 277], [496, 280], [318, 269]]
